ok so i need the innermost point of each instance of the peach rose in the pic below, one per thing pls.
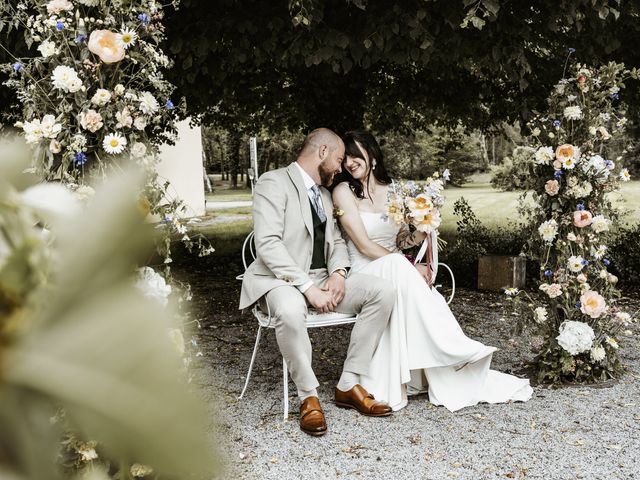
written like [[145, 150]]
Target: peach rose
[[582, 218], [557, 164], [552, 187], [566, 151], [105, 45], [592, 304]]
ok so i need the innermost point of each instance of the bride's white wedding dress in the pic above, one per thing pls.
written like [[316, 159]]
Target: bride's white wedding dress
[[423, 339]]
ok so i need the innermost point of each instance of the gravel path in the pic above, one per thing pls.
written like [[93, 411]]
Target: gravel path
[[568, 433]]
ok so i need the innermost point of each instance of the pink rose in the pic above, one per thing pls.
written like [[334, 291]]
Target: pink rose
[[603, 133], [105, 45], [552, 187], [582, 218], [57, 6], [91, 120], [557, 164], [592, 304]]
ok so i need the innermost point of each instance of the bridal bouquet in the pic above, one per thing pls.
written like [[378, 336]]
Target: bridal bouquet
[[417, 205]]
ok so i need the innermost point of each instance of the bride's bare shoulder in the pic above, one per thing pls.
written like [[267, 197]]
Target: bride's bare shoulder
[[342, 190]]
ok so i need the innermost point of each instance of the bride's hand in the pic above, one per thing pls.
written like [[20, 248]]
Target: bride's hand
[[425, 271]]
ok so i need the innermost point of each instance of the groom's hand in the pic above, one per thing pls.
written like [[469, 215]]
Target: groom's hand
[[335, 285], [320, 299]]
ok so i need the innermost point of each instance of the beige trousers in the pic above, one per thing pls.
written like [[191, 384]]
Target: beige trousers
[[370, 296]]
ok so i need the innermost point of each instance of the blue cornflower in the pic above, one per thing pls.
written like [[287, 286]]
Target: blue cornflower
[[169, 105], [571, 50], [144, 19], [59, 26], [606, 262], [81, 38], [615, 96], [585, 262], [609, 164], [548, 273], [580, 207], [17, 66], [166, 219], [557, 173], [556, 123], [80, 158], [578, 304]]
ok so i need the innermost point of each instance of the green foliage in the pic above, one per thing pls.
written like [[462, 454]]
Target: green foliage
[[625, 254], [386, 64], [76, 334], [514, 171]]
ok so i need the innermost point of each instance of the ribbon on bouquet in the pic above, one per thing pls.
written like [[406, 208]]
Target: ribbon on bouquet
[[422, 251]]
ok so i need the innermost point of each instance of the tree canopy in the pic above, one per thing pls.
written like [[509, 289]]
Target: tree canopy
[[388, 64]]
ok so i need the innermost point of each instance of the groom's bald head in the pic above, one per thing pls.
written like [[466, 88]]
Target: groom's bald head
[[318, 138], [321, 155]]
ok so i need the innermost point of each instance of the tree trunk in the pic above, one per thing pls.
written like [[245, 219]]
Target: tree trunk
[[234, 145]]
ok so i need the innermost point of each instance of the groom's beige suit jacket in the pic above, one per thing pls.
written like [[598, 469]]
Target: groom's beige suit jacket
[[283, 228]]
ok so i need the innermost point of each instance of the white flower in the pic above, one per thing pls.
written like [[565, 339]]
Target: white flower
[[613, 90], [89, 3], [571, 98], [574, 263], [569, 163], [153, 285], [50, 129], [32, 131], [91, 120], [138, 149], [48, 48], [57, 6], [140, 123], [511, 292], [540, 314], [84, 192], [600, 224], [148, 103], [78, 143], [50, 201], [603, 274], [548, 230], [140, 470], [598, 354], [66, 79], [118, 89], [124, 118], [544, 155], [605, 117], [592, 131], [101, 97], [87, 451], [571, 237], [535, 132], [575, 337], [623, 317], [114, 143], [625, 176], [582, 278], [573, 113], [598, 252], [127, 38], [612, 341]]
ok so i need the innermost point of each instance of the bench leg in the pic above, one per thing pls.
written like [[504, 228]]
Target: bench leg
[[285, 383], [253, 359]]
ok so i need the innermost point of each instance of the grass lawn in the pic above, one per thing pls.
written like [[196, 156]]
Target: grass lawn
[[494, 209]]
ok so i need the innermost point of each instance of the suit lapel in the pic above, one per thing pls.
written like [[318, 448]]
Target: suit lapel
[[296, 178]]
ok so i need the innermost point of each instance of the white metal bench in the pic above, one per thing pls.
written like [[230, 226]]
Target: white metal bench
[[314, 320]]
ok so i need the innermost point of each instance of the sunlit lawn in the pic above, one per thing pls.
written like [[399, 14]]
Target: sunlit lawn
[[494, 208]]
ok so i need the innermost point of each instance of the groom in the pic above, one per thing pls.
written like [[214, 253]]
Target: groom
[[301, 262]]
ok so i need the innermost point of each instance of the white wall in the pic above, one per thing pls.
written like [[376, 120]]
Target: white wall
[[181, 164]]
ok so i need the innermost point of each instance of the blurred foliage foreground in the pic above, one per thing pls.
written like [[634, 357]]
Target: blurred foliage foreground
[[90, 383]]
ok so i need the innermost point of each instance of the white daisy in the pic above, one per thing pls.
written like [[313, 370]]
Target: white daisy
[[127, 38], [114, 143], [624, 175]]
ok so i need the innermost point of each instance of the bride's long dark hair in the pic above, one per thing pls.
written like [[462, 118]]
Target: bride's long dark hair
[[369, 145]]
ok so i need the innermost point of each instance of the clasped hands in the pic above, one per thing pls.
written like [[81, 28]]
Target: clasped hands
[[327, 298]]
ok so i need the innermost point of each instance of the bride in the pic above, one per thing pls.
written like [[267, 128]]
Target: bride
[[423, 344]]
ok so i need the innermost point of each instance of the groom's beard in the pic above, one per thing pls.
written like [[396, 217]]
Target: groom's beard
[[326, 175]]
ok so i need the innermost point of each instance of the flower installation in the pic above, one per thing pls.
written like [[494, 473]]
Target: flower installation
[[571, 175]]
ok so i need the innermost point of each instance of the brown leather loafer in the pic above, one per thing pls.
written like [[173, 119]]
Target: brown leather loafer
[[312, 417], [362, 401]]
